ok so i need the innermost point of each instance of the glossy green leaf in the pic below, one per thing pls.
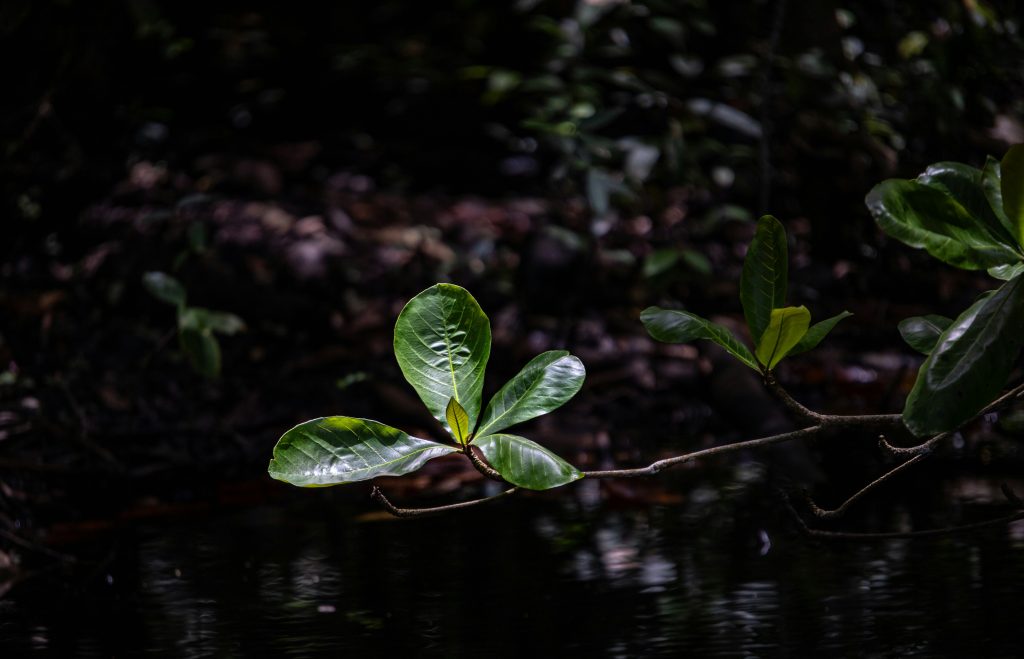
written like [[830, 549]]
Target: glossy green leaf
[[786, 328], [525, 463], [1006, 272], [969, 364], [544, 384], [922, 332], [341, 449], [816, 333], [765, 272], [965, 185], [458, 421], [201, 349], [926, 217], [442, 343], [164, 287], [992, 184], [1012, 187], [671, 326]]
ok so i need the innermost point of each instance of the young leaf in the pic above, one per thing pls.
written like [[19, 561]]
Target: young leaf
[[525, 463], [201, 349], [785, 330], [341, 449], [442, 343], [164, 287], [215, 321], [458, 421], [1012, 188], [682, 327], [922, 332], [816, 333], [765, 273], [544, 384], [927, 218], [969, 364]]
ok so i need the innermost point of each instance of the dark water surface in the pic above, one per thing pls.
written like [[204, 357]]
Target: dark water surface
[[537, 577]]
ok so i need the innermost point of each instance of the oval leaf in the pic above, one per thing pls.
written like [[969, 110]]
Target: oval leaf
[[922, 332], [201, 349], [965, 185], [969, 364], [442, 342], [927, 218], [785, 330], [342, 449], [817, 332], [458, 421], [671, 326], [525, 463], [991, 183], [164, 287], [544, 384], [765, 271], [1012, 188]]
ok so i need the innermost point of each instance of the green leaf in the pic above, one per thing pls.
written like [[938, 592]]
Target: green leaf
[[1012, 188], [964, 184], [201, 349], [816, 333], [1006, 272], [544, 384], [969, 364], [164, 287], [342, 449], [922, 332], [927, 218], [682, 327], [784, 332], [525, 463], [215, 321], [458, 421], [442, 343], [992, 184], [765, 273]]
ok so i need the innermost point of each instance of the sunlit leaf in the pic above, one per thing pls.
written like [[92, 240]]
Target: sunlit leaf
[[816, 333], [458, 421], [922, 332], [969, 364], [786, 328], [341, 449], [544, 384], [671, 326], [1012, 186], [164, 287], [442, 343], [927, 218], [765, 273], [525, 463]]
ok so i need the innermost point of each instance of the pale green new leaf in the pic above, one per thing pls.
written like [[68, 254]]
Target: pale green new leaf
[[671, 326], [525, 463], [765, 272], [922, 332], [164, 287], [816, 333], [442, 343], [927, 218], [341, 449], [546, 383], [458, 421], [786, 328], [1012, 187], [969, 364]]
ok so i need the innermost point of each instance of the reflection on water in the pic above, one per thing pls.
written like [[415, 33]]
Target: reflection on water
[[525, 578]]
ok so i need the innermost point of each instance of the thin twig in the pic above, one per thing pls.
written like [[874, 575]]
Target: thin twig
[[482, 466], [925, 533], [822, 513], [661, 465], [810, 417], [377, 495], [32, 546]]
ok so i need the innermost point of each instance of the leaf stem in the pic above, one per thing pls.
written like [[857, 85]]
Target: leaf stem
[[377, 495]]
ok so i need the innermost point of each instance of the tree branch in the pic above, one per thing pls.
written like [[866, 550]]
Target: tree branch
[[377, 495], [810, 417], [482, 466], [821, 513]]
